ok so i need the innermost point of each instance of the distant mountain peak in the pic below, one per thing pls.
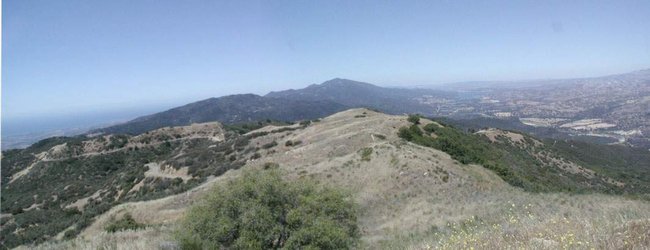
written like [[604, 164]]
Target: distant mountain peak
[[341, 82], [360, 94], [337, 80]]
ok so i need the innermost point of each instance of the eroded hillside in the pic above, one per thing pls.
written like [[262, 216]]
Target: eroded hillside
[[76, 179], [409, 196]]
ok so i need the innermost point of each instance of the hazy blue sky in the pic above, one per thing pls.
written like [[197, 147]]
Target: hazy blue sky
[[67, 57]]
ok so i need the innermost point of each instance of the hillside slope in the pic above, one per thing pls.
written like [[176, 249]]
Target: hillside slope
[[75, 179], [229, 110], [536, 165], [409, 196]]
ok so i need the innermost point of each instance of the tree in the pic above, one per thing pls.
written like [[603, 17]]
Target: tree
[[261, 211], [415, 119]]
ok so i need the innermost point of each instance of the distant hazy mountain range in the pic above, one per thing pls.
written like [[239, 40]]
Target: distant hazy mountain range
[[609, 109], [289, 105]]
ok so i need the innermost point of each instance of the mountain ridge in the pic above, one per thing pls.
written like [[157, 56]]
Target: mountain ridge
[[360, 94], [585, 99], [229, 109], [399, 185]]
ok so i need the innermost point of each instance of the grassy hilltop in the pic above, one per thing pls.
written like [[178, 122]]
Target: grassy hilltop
[[415, 186]]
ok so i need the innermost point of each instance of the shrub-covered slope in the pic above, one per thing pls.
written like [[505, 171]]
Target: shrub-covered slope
[[409, 195], [75, 179], [232, 109], [536, 165]]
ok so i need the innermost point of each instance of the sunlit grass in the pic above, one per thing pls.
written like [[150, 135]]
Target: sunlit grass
[[553, 221], [150, 238]]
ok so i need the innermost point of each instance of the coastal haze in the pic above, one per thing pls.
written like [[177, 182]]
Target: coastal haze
[[20, 132]]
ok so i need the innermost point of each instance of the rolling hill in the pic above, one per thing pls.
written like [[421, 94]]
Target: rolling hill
[[229, 110], [444, 190]]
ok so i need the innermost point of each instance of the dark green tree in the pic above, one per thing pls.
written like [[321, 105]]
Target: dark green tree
[[415, 119], [262, 211]]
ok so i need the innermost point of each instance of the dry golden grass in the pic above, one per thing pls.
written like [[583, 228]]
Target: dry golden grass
[[542, 221], [151, 238], [405, 190]]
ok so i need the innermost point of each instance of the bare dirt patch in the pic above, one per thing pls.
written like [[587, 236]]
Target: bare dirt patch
[[80, 203], [21, 173], [164, 171]]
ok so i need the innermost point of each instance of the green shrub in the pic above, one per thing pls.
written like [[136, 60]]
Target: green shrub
[[126, 223], [256, 156], [410, 133], [415, 119], [118, 141], [290, 143], [262, 211], [404, 133], [269, 145], [305, 123], [365, 154], [271, 165]]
